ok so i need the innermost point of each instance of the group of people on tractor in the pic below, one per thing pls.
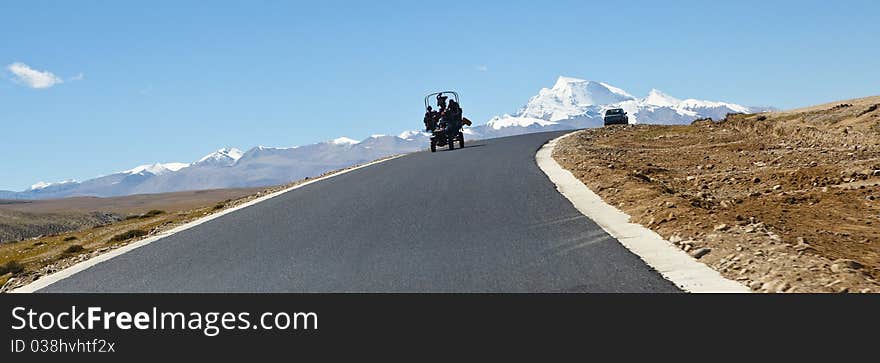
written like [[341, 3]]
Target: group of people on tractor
[[447, 117]]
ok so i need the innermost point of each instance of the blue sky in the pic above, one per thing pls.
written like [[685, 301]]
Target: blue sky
[[162, 81]]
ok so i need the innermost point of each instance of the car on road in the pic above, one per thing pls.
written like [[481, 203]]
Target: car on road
[[616, 116]]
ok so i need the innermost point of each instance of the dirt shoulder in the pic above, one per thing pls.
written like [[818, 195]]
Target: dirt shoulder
[[23, 262], [782, 202]]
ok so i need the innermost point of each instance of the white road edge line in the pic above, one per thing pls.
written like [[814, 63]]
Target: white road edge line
[[70, 271], [672, 263]]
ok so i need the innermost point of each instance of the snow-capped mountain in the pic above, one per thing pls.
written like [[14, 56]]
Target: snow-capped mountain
[[570, 104], [413, 134], [231, 168], [223, 157], [156, 169], [44, 185], [572, 97], [577, 103], [343, 141]]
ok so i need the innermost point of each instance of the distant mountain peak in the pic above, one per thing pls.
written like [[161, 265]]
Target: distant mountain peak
[[576, 103], [39, 185], [343, 141], [223, 157], [570, 97], [157, 168], [565, 82], [658, 98], [412, 134], [43, 185]]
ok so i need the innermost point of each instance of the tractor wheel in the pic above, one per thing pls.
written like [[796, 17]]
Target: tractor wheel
[[433, 145]]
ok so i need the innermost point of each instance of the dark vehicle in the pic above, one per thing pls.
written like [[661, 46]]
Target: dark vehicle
[[446, 123], [616, 116]]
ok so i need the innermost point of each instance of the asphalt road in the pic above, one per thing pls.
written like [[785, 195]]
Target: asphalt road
[[479, 219]]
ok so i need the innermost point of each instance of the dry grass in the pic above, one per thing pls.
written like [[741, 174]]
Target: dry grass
[[36, 253]]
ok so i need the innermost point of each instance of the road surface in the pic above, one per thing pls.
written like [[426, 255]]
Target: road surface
[[479, 219]]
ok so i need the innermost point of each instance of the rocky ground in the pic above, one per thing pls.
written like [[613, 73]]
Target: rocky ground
[[23, 262], [16, 226], [782, 202]]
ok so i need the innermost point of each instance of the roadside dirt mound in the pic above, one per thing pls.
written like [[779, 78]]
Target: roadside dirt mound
[[783, 202]]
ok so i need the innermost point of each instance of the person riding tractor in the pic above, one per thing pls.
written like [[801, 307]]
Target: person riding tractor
[[431, 119], [441, 102]]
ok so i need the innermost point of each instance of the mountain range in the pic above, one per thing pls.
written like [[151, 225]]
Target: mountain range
[[571, 103]]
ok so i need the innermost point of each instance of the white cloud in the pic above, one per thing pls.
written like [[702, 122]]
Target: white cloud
[[78, 77], [483, 68], [33, 78]]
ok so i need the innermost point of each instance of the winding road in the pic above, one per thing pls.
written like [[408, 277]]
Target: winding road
[[480, 219]]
